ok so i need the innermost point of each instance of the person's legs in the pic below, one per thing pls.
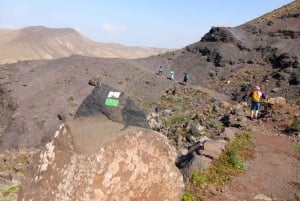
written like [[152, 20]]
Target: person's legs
[[257, 106], [256, 113], [252, 107], [252, 114]]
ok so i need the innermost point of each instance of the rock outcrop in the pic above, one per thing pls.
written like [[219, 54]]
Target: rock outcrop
[[137, 165], [114, 104]]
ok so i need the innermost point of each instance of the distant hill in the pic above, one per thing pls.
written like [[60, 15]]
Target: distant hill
[[40, 42]]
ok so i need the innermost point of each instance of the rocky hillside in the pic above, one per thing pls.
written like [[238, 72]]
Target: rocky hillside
[[232, 60], [38, 95], [33, 43]]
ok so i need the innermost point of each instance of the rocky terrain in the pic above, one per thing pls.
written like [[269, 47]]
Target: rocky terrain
[[231, 60], [200, 119], [33, 43]]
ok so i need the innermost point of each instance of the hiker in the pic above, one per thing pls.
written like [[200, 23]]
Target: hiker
[[172, 74], [160, 71], [185, 78], [256, 96]]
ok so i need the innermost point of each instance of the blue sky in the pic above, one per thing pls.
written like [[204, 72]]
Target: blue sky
[[150, 23]]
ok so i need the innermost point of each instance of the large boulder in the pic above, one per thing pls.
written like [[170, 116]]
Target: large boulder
[[115, 104], [277, 100], [133, 164]]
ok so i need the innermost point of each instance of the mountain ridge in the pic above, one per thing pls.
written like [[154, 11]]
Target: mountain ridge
[[39, 42]]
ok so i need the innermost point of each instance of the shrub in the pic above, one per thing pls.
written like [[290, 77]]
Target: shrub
[[70, 99], [235, 160], [175, 120], [200, 178], [295, 125], [175, 99], [297, 146], [216, 124], [229, 164], [188, 196]]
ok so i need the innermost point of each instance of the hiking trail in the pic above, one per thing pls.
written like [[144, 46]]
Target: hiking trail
[[272, 171]]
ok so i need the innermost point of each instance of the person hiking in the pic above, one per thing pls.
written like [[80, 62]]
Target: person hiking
[[172, 74], [256, 96], [160, 71], [185, 78]]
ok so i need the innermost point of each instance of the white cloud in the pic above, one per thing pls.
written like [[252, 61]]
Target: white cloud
[[113, 28]]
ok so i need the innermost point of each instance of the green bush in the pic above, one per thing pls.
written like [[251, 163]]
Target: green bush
[[70, 99], [295, 125], [9, 192], [297, 146], [176, 120], [235, 160], [200, 178], [188, 196], [229, 163], [175, 99], [214, 123]]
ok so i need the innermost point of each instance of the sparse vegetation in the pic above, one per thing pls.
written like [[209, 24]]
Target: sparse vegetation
[[297, 146], [175, 99], [180, 116], [188, 196], [71, 99], [230, 163], [297, 183], [72, 102], [294, 125], [175, 120], [9, 192], [216, 124]]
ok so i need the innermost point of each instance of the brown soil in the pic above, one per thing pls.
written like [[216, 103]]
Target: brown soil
[[272, 171]]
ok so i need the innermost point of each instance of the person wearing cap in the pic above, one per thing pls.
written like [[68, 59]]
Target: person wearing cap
[[256, 96]]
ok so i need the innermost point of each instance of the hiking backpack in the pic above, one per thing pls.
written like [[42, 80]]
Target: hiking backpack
[[255, 96], [186, 77]]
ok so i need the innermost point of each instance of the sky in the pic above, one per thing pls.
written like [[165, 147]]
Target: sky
[[147, 23]]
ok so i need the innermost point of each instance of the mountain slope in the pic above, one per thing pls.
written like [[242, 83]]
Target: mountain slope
[[232, 60], [39, 42]]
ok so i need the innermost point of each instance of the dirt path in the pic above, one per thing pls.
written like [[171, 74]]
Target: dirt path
[[214, 94], [270, 174]]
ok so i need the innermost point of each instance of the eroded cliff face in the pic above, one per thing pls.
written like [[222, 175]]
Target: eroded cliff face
[[138, 164]]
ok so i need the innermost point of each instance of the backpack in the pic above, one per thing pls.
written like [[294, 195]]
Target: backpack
[[255, 96], [186, 77]]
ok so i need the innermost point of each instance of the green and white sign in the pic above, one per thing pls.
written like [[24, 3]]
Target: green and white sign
[[111, 102], [112, 99]]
